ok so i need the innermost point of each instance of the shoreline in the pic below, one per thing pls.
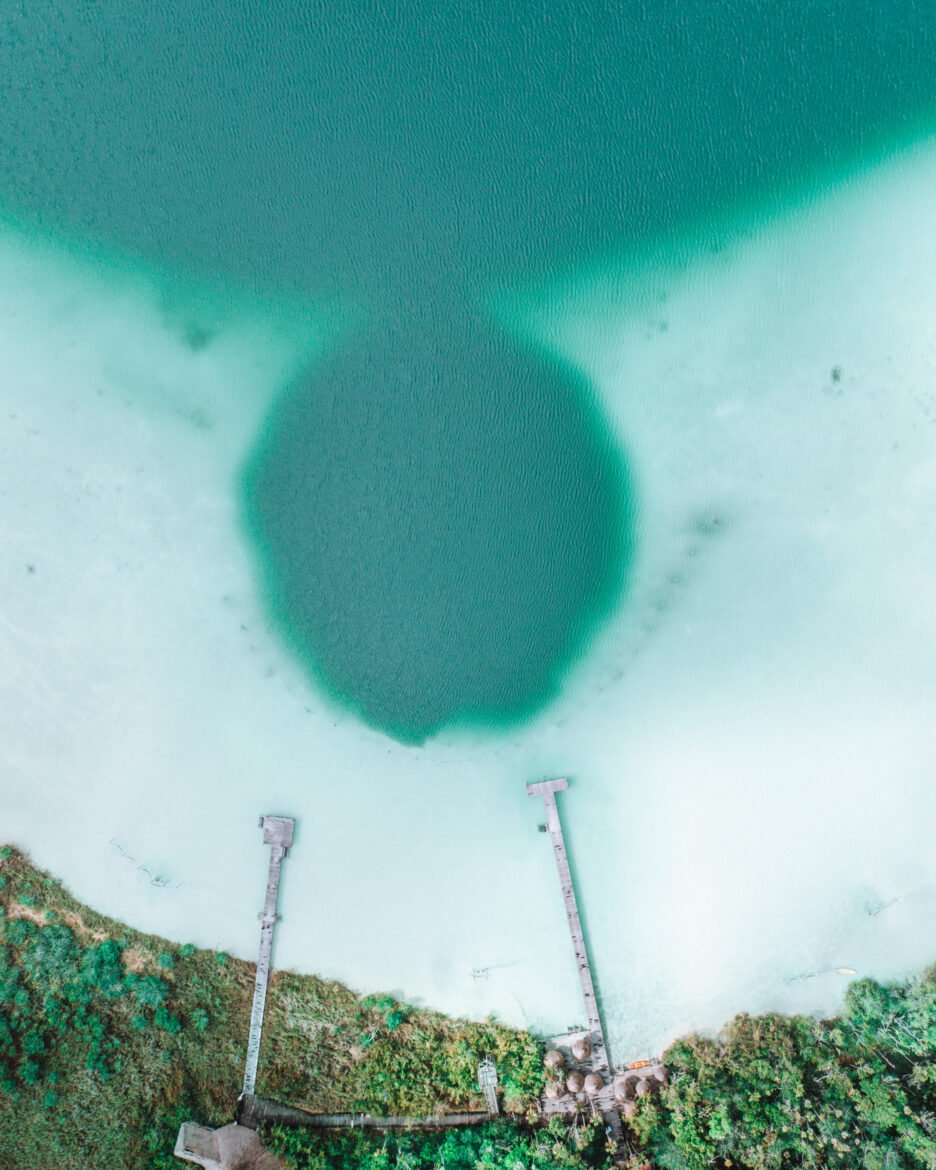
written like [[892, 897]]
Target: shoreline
[[163, 1027], [110, 1038]]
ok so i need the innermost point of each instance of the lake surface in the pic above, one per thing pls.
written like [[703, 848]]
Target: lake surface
[[403, 409], [407, 164]]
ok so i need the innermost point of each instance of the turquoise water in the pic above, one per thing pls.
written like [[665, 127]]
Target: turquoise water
[[773, 660], [763, 653], [734, 638], [440, 520]]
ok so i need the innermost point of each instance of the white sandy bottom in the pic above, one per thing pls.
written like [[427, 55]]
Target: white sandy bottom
[[750, 746]]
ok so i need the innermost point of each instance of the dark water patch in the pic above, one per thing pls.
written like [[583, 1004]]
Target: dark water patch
[[444, 519]]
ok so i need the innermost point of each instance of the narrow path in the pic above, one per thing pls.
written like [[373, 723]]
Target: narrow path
[[253, 1110]]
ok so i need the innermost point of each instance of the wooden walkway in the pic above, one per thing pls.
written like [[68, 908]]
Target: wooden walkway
[[254, 1110], [548, 790], [598, 1061], [278, 834]]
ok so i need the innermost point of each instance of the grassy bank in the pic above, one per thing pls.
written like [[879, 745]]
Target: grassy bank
[[108, 1037], [769, 1092]]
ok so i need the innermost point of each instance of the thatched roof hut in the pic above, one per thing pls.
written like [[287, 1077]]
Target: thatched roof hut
[[643, 1087], [629, 1110], [582, 1048], [554, 1090], [594, 1083], [554, 1059], [575, 1083]]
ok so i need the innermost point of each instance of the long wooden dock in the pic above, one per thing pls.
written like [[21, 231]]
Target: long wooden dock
[[278, 834], [598, 1061], [548, 789]]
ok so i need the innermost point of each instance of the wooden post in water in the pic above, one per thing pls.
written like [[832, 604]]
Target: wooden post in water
[[277, 833]]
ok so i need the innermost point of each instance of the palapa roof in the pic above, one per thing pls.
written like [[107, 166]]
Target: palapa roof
[[582, 1048]]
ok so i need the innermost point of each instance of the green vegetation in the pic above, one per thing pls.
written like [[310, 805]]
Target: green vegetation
[[109, 1037], [498, 1145], [774, 1092]]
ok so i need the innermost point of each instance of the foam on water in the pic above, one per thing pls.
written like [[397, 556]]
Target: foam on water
[[749, 745]]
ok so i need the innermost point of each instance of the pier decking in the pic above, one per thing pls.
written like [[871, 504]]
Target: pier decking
[[548, 789], [278, 834], [254, 1110], [487, 1080], [598, 1060]]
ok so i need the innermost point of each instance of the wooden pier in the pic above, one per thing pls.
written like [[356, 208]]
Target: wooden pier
[[278, 834], [548, 789], [598, 1060]]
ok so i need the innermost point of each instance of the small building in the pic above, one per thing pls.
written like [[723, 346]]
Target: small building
[[594, 1083], [575, 1082], [581, 1048], [554, 1059], [233, 1147]]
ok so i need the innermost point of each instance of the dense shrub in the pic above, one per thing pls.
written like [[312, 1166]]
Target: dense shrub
[[103, 970], [773, 1092], [498, 1145], [151, 991]]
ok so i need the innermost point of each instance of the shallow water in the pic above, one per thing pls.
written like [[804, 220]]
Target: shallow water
[[748, 737]]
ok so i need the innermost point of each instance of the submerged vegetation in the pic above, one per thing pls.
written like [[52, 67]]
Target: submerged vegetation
[[109, 1038]]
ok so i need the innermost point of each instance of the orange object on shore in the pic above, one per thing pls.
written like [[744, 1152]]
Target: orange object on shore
[[640, 1064]]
